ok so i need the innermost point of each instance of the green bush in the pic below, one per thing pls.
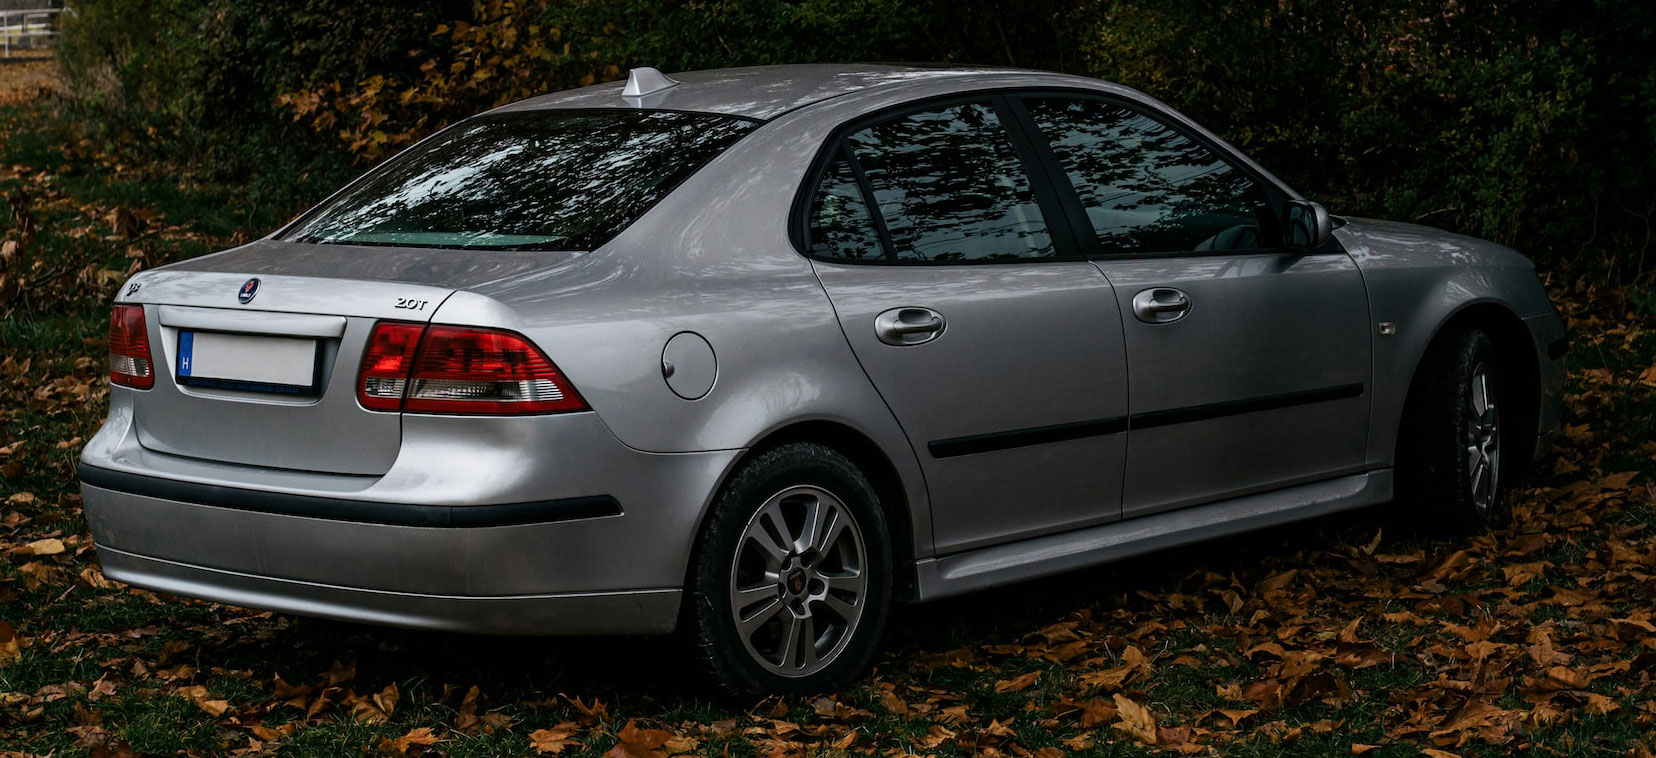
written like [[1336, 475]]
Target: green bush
[[1530, 123], [194, 83]]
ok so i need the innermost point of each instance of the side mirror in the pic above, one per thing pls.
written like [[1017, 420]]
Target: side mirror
[[1306, 225]]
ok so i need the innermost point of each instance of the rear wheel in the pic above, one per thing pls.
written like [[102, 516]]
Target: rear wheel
[[1450, 453], [791, 581]]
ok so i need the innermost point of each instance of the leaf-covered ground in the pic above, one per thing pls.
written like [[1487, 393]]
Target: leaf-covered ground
[[1352, 635]]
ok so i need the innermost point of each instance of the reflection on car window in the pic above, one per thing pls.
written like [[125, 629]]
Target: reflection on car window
[[1148, 188], [558, 180], [950, 187], [841, 226]]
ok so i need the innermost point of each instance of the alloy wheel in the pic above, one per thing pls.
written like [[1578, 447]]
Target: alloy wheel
[[1483, 440], [797, 583]]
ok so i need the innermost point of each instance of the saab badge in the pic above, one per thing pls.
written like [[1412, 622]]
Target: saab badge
[[249, 289]]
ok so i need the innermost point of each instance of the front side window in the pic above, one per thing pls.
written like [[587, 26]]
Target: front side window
[[1148, 188], [539, 180], [947, 184]]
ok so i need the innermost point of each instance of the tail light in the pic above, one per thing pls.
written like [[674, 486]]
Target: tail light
[[385, 365], [129, 351], [460, 370]]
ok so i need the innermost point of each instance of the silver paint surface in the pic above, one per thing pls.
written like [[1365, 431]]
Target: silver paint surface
[[1259, 325], [1026, 345]]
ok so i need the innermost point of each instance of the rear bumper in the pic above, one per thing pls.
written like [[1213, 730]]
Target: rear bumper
[[454, 578], [635, 612], [525, 525]]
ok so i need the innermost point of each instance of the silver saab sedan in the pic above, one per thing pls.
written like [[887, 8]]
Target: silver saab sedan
[[753, 354]]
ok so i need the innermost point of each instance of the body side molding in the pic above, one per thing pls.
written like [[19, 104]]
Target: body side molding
[[1075, 430], [1053, 554], [1040, 435]]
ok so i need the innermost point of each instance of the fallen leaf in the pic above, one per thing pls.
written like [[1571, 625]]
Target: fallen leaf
[[400, 745], [204, 700], [1017, 683], [1136, 720], [1095, 712], [11, 645], [553, 741], [634, 742], [936, 734], [51, 546]]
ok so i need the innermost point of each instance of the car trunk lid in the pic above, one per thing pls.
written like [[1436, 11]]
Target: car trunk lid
[[270, 381]]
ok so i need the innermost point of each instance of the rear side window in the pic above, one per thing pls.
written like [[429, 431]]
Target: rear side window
[[530, 180], [946, 183], [841, 225], [1148, 188]]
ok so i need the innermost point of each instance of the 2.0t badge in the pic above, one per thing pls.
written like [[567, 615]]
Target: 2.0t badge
[[249, 288]]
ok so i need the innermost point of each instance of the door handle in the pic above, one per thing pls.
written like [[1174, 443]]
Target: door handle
[[908, 326], [1161, 305]]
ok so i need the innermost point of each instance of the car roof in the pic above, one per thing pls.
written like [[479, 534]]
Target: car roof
[[759, 92]]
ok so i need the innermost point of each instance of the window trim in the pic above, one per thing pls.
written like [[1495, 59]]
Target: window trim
[[882, 232], [1059, 227]]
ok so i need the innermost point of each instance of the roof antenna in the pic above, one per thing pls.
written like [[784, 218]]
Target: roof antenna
[[646, 81]]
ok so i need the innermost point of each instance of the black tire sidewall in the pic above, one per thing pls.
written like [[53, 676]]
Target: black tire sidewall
[[1435, 471], [715, 635]]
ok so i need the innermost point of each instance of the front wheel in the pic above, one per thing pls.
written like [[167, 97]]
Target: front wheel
[[1450, 454], [791, 580]]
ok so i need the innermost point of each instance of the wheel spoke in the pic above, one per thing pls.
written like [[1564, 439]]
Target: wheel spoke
[[1480, 393], [831, 536], [750, 624], [774, 545], [792, 629], [844, 609], [816, 514], [854, 583], [766, 591], [808, 642]]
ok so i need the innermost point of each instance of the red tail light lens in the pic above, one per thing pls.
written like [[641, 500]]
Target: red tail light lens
[[461, 370], [129, 351], [386, 363]]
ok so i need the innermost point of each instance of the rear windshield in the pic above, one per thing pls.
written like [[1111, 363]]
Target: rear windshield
[[529, 180]]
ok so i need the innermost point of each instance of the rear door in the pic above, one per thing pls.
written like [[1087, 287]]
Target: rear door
[[997, 347], [1249, 363]]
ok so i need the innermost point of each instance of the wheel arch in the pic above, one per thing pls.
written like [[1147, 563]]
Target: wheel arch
[[873, 461], [1520, 371]]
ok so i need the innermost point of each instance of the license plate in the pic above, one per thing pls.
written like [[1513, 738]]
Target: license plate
[[249, 363]]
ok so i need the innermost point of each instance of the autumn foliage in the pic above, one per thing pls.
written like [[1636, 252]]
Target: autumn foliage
[[1367, 634]]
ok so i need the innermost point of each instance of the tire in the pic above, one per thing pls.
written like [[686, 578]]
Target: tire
[[1450, 452], [752, 593]]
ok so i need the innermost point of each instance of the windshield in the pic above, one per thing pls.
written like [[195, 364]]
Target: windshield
[[529, 180]]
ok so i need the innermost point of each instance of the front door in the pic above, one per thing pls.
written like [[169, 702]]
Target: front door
[[997, 347], [1249, 363]]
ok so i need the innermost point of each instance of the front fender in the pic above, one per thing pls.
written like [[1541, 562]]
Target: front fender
[[1420, 279]]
